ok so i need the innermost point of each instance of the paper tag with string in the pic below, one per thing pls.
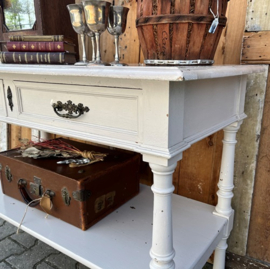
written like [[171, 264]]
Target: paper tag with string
[[45, 203], [215, 22]]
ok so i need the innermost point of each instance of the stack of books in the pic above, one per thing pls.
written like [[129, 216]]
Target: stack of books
[[23, 49]]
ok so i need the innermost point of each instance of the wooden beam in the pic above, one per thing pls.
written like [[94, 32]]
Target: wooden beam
[[230, 45], [256, 48]]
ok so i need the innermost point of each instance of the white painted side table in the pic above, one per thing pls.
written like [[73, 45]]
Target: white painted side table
[[158, 112]]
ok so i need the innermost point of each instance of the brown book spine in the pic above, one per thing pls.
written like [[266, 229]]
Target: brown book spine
[[41, 38], [38, 57], [36, 46]]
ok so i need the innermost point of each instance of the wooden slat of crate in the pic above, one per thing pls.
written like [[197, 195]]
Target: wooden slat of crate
[[256, 48]]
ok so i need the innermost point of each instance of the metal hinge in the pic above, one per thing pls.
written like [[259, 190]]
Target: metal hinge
[[81, 195]]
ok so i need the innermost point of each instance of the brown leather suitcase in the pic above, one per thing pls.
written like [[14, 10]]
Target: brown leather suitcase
[[80, 196]]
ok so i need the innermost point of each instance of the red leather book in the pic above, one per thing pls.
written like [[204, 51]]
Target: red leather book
[[38, 57], [40, 46]]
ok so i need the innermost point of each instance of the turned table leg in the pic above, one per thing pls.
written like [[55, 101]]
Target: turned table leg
[[162, 252], [225, 193]]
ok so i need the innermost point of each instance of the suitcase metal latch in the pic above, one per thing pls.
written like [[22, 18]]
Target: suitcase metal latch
[[65, 196], [36, 188], [8, 174], [81, 195]]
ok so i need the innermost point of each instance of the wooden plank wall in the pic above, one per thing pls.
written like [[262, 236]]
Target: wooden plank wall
[[259, 232], [256, 50]]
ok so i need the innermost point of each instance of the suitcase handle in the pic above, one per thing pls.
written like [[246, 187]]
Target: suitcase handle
[[26, 197]]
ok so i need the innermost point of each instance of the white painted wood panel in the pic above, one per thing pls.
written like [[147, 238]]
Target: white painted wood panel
[[204, 97], [123, 239], [112, 110]]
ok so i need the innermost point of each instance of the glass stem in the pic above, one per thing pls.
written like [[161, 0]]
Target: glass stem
[[83, 48], [93, 48], [116, 41], [98, 58]]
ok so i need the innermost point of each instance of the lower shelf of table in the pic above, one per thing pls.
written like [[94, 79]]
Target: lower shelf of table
[[123, 239]]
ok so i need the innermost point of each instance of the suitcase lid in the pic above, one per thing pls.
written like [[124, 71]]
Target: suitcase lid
[[115, 158]]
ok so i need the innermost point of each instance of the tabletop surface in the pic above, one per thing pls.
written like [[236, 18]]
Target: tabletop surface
[[180, 73]]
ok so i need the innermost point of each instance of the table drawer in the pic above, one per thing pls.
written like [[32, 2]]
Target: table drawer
[[112, 111]]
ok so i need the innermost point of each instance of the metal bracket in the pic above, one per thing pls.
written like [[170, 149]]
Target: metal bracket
[[81, 196]]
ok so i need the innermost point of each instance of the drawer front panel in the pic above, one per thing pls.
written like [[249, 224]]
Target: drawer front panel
[[112, 110]]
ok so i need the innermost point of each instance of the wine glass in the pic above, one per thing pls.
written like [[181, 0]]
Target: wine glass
[[78, 23], [117, 26], [96, 14]]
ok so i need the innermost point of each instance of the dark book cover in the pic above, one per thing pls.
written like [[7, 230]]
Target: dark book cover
[[38, 57]]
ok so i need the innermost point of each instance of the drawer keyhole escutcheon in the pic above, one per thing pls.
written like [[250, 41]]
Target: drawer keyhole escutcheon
[[9, 97], [73, 111]]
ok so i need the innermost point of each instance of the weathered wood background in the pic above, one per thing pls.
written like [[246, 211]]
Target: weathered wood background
[[256, 50], [196, 176]]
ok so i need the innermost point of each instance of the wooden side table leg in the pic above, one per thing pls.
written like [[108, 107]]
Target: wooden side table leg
[[162, 252], [225, 193]]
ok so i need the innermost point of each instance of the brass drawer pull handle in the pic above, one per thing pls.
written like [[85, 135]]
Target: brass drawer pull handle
[[71, 108]]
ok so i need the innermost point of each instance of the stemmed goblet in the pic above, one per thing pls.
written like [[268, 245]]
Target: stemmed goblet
[[77, 18], [96, 14], [117, 26]]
